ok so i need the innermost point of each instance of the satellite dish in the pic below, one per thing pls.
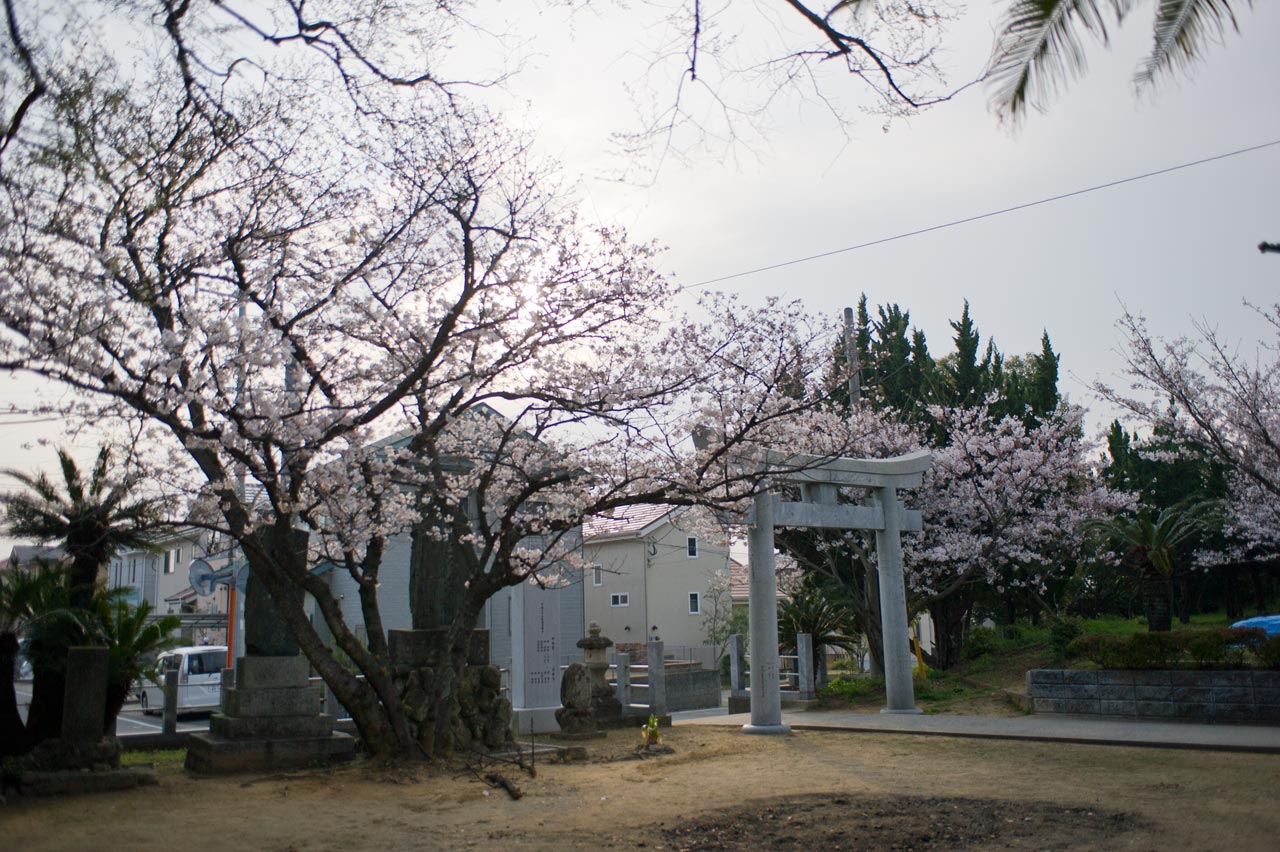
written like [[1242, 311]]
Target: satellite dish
[[200, 576]]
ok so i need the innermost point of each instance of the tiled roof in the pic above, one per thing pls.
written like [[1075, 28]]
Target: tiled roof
[[625, 521], [740, 585]]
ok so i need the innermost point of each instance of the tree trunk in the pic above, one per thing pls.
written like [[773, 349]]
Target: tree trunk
[[1184, 599], [872, 627], [948, 616], [13, 733], [1259, 589], [1231, 592], [1156, 601], [44, 715]]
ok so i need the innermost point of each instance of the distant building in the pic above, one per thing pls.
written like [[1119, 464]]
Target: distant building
[[159, 573], [649, 571]]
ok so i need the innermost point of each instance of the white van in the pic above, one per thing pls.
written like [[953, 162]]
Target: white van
[[199, 671]]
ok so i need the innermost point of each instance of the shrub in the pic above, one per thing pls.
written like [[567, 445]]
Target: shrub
[[1269, 653], [1212, 648], [853, 688], [979, 642], [1061, 634]]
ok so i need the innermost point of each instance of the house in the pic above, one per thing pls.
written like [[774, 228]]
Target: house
[[650, 572], [159, 573], [34, 554]]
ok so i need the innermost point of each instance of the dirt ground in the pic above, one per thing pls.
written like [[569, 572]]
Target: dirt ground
[[718, 790]]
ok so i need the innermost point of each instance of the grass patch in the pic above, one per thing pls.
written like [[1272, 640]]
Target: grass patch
[[161, 759]]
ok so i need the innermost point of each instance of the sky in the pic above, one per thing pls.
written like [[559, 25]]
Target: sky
[[1177, 248]]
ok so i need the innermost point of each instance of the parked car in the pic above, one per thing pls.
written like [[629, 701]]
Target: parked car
[[199, 669]]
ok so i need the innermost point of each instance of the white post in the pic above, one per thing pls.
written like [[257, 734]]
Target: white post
[[804, 666], [657, 678], [766, 699], [170, 687], [623, 677], [899, 690], [737, 666]]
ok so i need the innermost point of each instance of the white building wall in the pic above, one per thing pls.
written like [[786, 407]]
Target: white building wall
[[622, 572], [674, 576]]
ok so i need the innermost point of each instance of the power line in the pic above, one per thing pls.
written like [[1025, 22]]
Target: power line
[[981, 216]]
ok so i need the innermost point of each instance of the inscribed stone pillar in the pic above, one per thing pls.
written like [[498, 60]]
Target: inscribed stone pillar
[[265, 633], [766, 697], [899, 690], [85, 698]]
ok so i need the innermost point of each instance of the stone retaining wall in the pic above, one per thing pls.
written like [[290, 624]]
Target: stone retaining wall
[[1204, 696], [692, 690]]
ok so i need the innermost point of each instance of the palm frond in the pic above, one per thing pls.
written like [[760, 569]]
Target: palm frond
[[1183, 28], [1039, 47]]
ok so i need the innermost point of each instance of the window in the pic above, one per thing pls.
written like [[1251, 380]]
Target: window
[[693, 547], [695, 603], [597, 575], [133, 570], [619, 599], [169, 562]]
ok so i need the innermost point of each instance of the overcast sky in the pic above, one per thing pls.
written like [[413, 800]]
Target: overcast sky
[[1177, 248]]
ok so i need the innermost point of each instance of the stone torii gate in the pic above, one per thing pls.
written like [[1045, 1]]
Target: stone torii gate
[[819, 479]]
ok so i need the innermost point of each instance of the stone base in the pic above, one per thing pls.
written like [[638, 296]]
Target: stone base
[[77, 782], [766, 729], [213, 754], [270, 719], [910, 711]]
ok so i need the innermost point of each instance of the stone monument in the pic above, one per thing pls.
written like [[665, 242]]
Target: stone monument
[[270, 713], [587, 700]]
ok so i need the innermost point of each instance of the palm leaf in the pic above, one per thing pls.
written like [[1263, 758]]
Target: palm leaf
[[1039, 47], [1182, 30]]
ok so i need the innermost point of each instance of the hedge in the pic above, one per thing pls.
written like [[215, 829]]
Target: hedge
[[1217, 648]]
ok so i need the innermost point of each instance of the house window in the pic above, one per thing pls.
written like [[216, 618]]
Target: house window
[[621, 599], [169, 562], [133, 570], [693, 547], [695, 603], [597, 575]]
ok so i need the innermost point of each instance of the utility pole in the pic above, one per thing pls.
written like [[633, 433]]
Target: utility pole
[[851, 355]]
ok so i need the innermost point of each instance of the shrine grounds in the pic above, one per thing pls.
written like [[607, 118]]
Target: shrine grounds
[[717, 790]]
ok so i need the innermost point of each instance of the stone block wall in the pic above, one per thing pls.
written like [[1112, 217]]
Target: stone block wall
[[692, 689], [1201, 696]]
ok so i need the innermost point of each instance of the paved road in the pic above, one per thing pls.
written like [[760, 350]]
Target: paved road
[[131, 719]]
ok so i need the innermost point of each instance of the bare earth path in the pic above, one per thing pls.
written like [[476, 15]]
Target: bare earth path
[[720, 790]]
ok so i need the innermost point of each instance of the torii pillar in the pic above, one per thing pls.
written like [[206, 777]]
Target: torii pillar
[[819, 479]]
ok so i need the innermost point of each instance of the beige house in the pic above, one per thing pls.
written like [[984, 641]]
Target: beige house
[[648, 573]]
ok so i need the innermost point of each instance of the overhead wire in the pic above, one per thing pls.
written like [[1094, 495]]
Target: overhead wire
[[981, 216]]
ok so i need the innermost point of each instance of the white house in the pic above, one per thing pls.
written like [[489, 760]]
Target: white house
[[159, 574], [648, 572]]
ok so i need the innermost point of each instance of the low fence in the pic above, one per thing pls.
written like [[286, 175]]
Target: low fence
[[796, 674]]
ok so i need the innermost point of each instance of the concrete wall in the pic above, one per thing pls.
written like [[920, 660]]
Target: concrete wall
[[692, 690], [1208, 696]]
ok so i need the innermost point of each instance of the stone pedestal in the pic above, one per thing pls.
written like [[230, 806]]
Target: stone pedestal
[[483, 717], [270, 719]]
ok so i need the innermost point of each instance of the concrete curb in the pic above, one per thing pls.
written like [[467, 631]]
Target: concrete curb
[[1058, 729]]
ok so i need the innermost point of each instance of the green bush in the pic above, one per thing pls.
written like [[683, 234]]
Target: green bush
[[1269, 653], [853, 688], [1221, 648], [1062, 632], [980, 642]]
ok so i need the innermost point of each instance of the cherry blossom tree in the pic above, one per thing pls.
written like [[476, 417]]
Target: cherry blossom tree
[[338, 319], [1205, 391], [1002, 503]]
